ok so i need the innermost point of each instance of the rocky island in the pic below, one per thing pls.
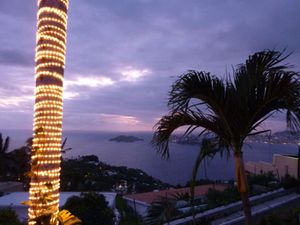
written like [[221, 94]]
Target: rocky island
[[123, 138]]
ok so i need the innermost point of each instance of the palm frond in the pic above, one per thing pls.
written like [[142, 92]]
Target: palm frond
[[168, 124], [161, 211], [1, 143], [63, 146], [265, 86], [209, 148], [6, 144], [201, 85]]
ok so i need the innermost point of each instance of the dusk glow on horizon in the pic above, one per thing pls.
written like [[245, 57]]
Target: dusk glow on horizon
[[123, 56]]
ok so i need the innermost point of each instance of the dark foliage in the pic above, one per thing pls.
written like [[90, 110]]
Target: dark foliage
[[128, 215], [20, 164], [13, 164], [9, 217], [287, 215], [86, 174], [91, 208], [262, 179], [217, 198], [162, 211], [200, 182], [288, 182], [90, 158], [5, 161]]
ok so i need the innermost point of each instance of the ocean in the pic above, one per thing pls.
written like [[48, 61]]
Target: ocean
[[141, 155]]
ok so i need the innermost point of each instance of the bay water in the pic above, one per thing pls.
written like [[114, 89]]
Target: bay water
[[142, 155]]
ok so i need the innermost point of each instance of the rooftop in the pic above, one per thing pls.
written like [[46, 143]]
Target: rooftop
[[149, 197]]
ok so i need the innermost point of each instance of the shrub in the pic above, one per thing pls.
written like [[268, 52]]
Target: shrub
[[216, 198], [271, 220], [262, 179], [9, 217], [128, 215], [91, 208], [289, 182]]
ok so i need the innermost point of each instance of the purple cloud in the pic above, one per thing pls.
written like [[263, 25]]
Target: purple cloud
[[111, 43]]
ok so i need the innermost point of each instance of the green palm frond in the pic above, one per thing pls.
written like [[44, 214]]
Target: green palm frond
[[67, 218]]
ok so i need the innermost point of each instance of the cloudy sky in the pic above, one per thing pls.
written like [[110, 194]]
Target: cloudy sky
[[123, 55]]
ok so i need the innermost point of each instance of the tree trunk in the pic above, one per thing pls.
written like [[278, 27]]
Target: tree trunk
[[298, 172], [242, 185], [199, 159]]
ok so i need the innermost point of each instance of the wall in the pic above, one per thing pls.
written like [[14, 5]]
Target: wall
[[280, 166]]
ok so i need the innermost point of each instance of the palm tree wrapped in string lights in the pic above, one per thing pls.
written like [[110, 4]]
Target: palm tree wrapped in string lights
[[49, 74]]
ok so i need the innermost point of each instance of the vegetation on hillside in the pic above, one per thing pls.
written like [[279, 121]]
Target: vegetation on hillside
[[87, 173]]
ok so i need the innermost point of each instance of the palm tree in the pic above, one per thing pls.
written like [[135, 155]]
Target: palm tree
[[4, 156], [231, 109], [20, 164], [15, 163], [46, 144], [164, 209]]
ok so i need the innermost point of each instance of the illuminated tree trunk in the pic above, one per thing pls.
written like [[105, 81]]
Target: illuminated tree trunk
[[49, 70]]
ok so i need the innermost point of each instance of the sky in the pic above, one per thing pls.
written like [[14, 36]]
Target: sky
[[123, 55]]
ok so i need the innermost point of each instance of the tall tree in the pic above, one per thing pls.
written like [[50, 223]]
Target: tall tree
[[231, 109], [4, 156], [46, 147], [164, 209], [20, 164]]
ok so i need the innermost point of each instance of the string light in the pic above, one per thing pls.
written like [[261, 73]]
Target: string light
[[50, 60]]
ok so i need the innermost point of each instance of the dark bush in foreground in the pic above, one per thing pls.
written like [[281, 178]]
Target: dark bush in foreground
[[262, 179], [9, 217], [216, 198], [91, 208], [128, 215], [281, 218], [289, 182]]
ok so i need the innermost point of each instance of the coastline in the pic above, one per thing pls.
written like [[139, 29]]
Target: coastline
[[141, 155]]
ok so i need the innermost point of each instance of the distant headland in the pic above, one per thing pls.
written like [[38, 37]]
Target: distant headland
[[124, 138]]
